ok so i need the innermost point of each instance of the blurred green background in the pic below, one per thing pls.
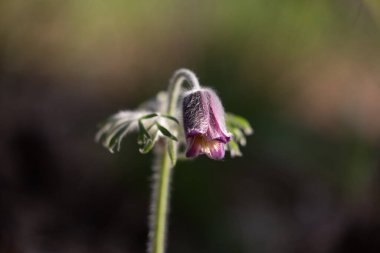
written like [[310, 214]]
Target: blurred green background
[[305, 73]]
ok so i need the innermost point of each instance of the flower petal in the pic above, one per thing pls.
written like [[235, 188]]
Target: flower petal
[[217, 127], [204, 124], [216, 150], [196, 114], [194, 146]]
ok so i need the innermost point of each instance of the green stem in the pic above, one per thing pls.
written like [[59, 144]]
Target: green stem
[[161, 188], [176, 82], [161, 205]]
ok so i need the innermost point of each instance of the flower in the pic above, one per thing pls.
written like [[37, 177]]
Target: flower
[[204, 124]]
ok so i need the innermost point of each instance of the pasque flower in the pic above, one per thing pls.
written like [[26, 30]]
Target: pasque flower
[[204, 124], [205, 127]]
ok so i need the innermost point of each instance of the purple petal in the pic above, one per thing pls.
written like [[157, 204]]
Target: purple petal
[[193, 133], [193, 147], [216, 150], [196, 115], [216, 133], [204, 124], [217, 127]]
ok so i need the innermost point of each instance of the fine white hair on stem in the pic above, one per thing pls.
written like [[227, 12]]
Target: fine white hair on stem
[[153, 206], [162, 172], [187, 75], [155, 185], [179, 78]]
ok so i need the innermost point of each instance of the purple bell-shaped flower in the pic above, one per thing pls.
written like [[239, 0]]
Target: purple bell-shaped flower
[[204, 123]]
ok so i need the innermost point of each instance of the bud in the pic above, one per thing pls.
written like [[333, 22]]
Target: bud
[[204, 123]]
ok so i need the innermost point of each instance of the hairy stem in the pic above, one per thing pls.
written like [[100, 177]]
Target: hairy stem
[[161, 188], [161, 204], [175, 86]]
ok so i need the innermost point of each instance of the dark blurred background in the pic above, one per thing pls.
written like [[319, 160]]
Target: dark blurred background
[[305, 73]]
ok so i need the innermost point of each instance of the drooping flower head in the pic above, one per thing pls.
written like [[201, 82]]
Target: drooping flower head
[[204, 124]]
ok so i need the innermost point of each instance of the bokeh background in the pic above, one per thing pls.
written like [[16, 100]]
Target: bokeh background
[[305, 73]]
